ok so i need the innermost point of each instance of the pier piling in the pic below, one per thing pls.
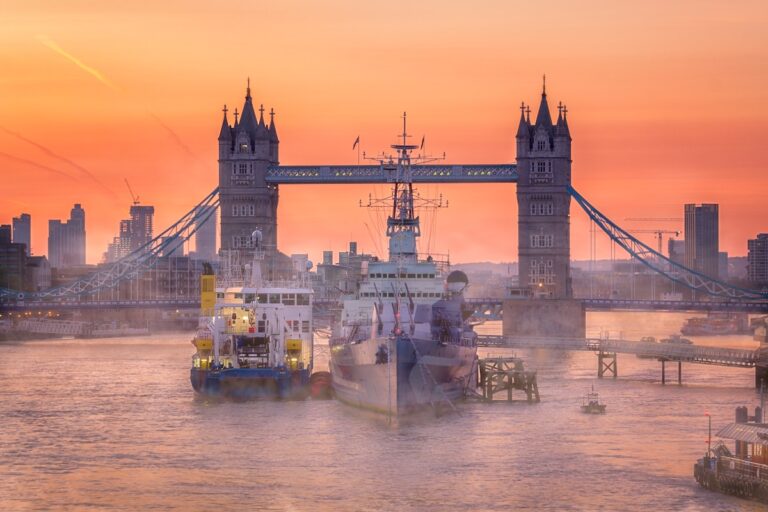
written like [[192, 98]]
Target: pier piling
[[498, 374]]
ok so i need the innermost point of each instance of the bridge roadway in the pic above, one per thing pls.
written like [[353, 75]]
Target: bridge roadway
[[329, 174], [651, 350]]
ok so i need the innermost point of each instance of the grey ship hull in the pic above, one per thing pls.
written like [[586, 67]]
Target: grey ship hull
[[398, 376]]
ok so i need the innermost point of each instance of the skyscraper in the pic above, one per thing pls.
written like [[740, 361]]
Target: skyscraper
[[22, 231], [141, 225], [205, 236], [134, 233], [66, 240], [701, 238], [757, 260]]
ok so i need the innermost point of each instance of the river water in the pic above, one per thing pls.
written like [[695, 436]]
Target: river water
[[113, 424]]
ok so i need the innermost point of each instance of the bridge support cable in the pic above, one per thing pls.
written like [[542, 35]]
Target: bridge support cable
[[131, 265], [661, 264]]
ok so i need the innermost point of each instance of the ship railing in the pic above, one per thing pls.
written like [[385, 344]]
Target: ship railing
[[749, 470]]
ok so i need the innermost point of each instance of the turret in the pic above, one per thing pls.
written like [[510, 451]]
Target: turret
[[523, 133], [274, 142], [225, 136]]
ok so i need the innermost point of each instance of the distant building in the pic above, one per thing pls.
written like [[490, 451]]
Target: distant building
[[757, 260], [676, 249], [13, 258], [722, 265], [134, 234], [701, 238], [173, 248], [205, 237], [22, 231], [38, 274], [141, 225], [5, 234], [66, 240]]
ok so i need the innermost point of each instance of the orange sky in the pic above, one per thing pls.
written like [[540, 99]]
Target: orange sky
[[668, 103]]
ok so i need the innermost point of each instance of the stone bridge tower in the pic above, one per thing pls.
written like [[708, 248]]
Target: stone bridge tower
[[544, 173], [246, 149]]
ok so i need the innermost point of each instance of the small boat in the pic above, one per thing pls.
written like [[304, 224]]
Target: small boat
[[591, 403]]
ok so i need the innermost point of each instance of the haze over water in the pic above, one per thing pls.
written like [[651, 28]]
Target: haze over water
[[113, 424]]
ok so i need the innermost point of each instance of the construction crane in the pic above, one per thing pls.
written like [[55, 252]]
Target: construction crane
[[657, 219], [134, 197], [659, 234]]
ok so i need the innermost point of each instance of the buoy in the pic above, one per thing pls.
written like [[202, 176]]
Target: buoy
[[320, 386]]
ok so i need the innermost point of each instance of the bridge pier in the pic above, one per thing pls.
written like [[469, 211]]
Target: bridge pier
[[679, 372], [761, 375], [606, 362]]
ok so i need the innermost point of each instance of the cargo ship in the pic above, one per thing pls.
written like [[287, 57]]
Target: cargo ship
[[255, 337], [404, 342]]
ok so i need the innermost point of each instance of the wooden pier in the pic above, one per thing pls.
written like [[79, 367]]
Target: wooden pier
[[607, 349], [499, 374]]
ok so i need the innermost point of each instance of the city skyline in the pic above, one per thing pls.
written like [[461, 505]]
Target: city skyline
[[654, 121]]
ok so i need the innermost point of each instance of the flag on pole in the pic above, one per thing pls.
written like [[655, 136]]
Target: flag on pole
[[357, 141], [422, 141]]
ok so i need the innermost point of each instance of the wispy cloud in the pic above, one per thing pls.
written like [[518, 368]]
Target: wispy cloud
[[173, 135], [98, 75], [67, 161], [37, 165]]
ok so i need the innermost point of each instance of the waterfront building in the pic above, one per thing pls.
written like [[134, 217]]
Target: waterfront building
[[22, 231], [37, 274], [544, 168], [12, 260], [66, 240], [701, 238], [757, 260]]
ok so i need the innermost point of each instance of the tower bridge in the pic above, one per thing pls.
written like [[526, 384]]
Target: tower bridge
[[250, 175]]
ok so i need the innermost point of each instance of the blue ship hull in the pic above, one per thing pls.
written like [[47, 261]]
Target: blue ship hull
[[251, 383]]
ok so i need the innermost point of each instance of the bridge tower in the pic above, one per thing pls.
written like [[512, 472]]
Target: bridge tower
[[246, 149], [544, 169]]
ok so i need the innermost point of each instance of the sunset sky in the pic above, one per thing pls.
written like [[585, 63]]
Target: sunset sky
[[668, 104]]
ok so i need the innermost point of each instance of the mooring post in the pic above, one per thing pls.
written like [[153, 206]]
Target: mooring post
[[679, 373], [663, 373]]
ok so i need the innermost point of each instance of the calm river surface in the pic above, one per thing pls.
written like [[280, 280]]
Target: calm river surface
[[113, 424]]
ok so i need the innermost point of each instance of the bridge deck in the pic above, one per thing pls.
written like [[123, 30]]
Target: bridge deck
[[662, 351], [330, 174]]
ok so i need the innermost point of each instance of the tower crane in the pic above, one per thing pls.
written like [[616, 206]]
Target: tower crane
[[659, 234], [134, 197]]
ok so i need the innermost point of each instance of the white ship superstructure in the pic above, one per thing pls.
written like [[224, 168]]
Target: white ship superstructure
[[403, 343]]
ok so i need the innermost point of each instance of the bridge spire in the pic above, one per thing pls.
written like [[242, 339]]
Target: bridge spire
[[523, 129], [543, 118], [225, 133]]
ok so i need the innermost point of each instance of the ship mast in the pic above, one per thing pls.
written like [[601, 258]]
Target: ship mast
[[403, 226]]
